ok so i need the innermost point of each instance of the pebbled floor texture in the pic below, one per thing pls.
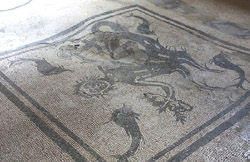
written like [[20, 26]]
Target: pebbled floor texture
[[125, 81]]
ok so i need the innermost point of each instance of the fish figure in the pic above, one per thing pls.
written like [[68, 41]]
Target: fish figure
[[221, 61], [126, 118], [43, 66]]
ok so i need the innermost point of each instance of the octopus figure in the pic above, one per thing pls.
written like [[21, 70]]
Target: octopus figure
[[135, 58], [124, 47]]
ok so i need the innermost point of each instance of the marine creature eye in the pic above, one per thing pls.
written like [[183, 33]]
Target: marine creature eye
[[93, 87]]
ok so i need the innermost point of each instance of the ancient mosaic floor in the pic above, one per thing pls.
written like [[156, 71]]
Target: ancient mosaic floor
[[124, 81]]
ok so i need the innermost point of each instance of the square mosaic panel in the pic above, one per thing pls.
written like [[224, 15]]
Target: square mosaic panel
[[129, 85]]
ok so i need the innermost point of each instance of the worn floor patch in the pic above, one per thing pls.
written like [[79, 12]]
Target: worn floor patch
[[130, 85]]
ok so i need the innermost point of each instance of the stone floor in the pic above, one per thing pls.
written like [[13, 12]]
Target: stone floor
[[126, 80]]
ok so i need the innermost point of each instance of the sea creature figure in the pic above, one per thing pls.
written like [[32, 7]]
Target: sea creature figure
[[221, 61], [43, 66], [148, 59], [126, 118]]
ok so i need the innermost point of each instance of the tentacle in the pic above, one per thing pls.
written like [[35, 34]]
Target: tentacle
[[167, 88], [213, 70], [183, 71], [204, 86]]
